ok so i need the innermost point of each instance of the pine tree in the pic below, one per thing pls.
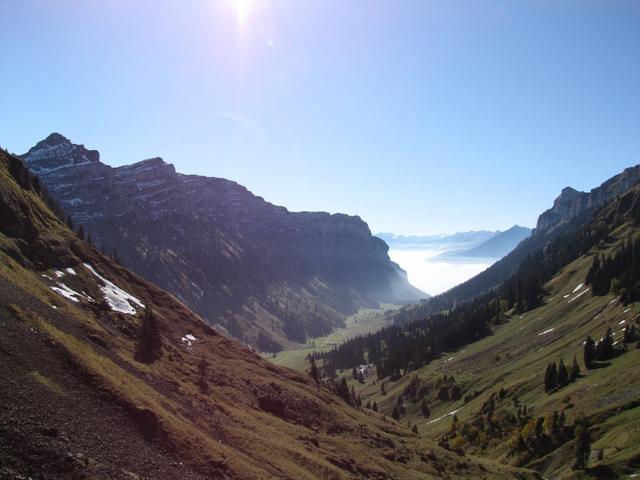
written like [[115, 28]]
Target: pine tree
[[589, 352], [313, 370], [149, 340], [203, 370], [605, 347], [383, 389], [368, 405], [550, 377], [561, 420], [454, 423], [414, 429], [575, 369], [395, 414], [539, 427], [583, 443], [426, 412], [343, 391], [80, 232], [563, 374], [374, 407]]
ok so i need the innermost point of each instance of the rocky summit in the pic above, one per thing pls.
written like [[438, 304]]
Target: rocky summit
[[265, 275]]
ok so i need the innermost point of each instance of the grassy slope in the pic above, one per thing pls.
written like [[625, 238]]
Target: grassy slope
[[258, 421], [363, 322], [515, 358]]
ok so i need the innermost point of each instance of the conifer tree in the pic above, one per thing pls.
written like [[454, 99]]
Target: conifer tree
[[583, 443], [550, 377], [149, 340], [605, 346], [575, 369], [313, 370], [563, 374], [424, 407], [203, 370], [395, 414], [354, 397], [589, 352], [343, 391], [454, 423], [374, 407]]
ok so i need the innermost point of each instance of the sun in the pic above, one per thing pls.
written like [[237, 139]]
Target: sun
[[243, 9]]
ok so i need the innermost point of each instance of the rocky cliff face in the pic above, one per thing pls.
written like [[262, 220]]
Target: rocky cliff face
[[571, 203], [256, 270]]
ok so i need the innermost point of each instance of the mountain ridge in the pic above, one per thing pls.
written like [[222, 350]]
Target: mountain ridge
[[495, 247], [260, 273], [570, 212]]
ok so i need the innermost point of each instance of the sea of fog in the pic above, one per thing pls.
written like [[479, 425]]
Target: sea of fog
[[432, 275]]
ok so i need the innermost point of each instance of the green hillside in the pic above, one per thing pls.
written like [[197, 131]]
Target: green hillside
[[510, 366]]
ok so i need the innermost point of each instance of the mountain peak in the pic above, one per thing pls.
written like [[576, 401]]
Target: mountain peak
[[57, 151], [55, 138]]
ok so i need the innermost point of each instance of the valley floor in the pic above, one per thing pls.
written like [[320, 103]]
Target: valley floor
[[362, 322]]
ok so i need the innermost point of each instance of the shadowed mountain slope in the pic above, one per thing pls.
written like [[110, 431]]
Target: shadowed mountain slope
[[262, 274]]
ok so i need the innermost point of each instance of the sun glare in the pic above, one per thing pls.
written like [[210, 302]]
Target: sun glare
[[243, 9]]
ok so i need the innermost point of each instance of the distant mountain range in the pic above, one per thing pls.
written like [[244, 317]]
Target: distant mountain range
[[482, 245], [496, 247], [257, 271], [443, 242]]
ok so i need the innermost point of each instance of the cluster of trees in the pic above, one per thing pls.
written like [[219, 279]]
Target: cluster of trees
[[618, 274], [398, 349], [417, 337], [605, 348], [557, 376], [349, 396]]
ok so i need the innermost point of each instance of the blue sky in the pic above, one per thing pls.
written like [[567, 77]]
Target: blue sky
[[419, 116]]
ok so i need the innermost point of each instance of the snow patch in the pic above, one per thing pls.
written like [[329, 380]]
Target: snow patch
[[70, 271], [627, 310], [118, 299], [66, 292], [578, 287], [59, 273], [451, 413], [578, 295], [622, 322], [188, 339], [546, 331]]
